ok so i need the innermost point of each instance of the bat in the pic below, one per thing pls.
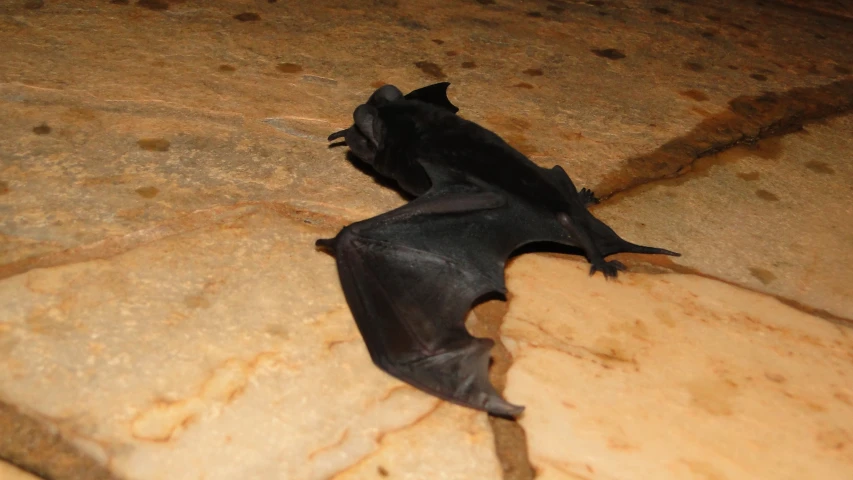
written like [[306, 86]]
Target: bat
[[411, 275]]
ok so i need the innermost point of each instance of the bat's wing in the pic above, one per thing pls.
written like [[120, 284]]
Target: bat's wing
[[435, 94], [411, 275]]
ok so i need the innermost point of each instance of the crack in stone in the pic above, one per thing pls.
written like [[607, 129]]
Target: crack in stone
[[748, 120], [667, 265], [510, 439]]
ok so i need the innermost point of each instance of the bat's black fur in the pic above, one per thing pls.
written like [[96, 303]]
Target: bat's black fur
[[411, 275]]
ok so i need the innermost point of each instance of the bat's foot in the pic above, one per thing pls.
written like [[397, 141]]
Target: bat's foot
[[588, 197], [610, 269]]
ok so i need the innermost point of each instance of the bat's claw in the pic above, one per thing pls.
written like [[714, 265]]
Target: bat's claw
[[327, 244], [610, 269], [588, 197]]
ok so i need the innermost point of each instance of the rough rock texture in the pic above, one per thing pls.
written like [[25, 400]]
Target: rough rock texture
[[11, 472], [164, 172], [674, 376], [776, 217]]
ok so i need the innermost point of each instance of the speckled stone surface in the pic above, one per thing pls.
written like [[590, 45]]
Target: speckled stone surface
[[164, 173], [674, 376]]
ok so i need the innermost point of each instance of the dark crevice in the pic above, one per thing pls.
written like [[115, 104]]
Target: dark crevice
[[510, 439], [657, 265], [748, 120]]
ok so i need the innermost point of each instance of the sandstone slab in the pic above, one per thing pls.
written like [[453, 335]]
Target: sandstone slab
[[224, 352], [673, 376], [776, 217]]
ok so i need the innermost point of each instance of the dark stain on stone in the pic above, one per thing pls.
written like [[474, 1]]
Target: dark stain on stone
[[733, 67], [288, 68], [661, 10], [763, 275], [749, 176], [523, 85], [774, 377], [694, 94], [766, 195], [154, 144], [708, 34], [120, 2], [469, 65], [451, 53], [33, 4], [412, 24], [555, 9], [147, 192], [437, 41], [739, 27], [602, 13], [196, 301], [381, 471], [486, 2], [611, 53], [842, 70], [533, 72], [4, 187], [157, 5], [759, 77], [819, 36], [749, 43], [271, 1], [42, 129], [693, 66], [747, 120], [595, 3], [534, 14], [247, 17], [813, 70], [819, 167], [227, 68], [431, 69]]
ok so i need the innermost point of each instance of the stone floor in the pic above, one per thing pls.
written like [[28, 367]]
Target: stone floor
[[164, 173]]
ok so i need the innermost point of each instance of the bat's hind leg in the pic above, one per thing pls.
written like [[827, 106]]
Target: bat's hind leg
[[610, 268]]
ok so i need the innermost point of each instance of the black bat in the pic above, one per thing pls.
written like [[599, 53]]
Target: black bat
[[411, 275]]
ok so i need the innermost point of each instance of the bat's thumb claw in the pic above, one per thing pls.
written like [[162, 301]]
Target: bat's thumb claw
[[461, 376], [501, 408], [327, 244]]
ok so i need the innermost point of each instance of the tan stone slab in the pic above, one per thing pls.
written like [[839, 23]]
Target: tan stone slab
[[11, 472], [73, 176], [673, 376], [777, 218], [224, 352]]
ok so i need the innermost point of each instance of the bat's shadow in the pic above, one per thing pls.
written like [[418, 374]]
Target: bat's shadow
[[367, 170]]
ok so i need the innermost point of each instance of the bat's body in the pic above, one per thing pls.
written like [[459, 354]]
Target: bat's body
[[411, 275]]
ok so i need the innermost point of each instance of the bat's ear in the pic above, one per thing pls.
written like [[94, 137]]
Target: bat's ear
[[385, 94], [435, 94], [368, 123]]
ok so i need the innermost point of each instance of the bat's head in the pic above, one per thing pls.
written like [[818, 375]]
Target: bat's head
[[367, 134]]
